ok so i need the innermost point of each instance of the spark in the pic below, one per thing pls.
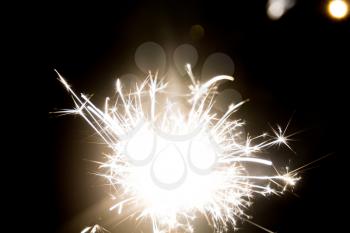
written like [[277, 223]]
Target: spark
[[173, 163], [94, 229]]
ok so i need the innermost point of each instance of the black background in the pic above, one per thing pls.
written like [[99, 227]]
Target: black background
[[299, 64]]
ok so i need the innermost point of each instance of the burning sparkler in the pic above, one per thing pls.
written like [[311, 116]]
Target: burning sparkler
[[172, 163]]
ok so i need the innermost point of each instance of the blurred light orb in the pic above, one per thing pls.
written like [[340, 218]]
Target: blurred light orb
[[217, 64], [277, 8], [196, 32], [338, 9], [150, 56], [185, 54]]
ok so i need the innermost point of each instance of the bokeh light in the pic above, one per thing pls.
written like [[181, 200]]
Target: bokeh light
[[338, 9], [277, 8], [196, 32]]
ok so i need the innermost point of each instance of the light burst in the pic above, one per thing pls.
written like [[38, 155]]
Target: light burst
[[174, 158]]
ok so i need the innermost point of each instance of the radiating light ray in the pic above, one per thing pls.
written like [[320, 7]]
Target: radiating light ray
[[94, 229], [153, 140]]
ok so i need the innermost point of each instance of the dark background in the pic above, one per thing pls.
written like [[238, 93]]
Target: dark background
[[299, 64]]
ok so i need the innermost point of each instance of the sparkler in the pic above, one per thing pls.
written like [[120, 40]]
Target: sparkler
[[171, 163]]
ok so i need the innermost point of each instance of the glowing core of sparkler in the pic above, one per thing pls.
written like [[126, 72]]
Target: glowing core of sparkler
[[174, 163]]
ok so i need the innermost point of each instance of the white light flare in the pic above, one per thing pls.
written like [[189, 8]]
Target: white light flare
[[175, 163]]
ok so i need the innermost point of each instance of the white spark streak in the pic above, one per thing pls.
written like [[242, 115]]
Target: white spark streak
[[94, 229], [175, 163]]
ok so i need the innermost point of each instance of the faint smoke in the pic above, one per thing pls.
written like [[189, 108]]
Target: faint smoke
[[277, 8]]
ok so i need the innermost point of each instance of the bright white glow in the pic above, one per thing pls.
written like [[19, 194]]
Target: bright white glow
[[169, 166], [277, 8], [140, 145], [172, 163], [338, 9], [202, 155]]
